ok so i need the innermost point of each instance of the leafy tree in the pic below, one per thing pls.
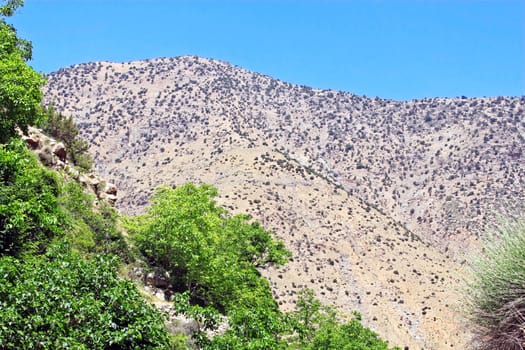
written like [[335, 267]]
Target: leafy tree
[[20, 85], [62, 301], [260, 326], [308, 315], [496, 291], [318, 328], [212, 257], [29, 214], [207, 251], [10, 6]]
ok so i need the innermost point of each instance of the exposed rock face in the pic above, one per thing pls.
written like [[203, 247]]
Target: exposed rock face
[[59, 150], [378, 200], [53, 154], [158, 279]]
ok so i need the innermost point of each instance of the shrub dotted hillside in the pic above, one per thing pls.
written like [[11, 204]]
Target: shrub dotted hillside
[[441, 166]]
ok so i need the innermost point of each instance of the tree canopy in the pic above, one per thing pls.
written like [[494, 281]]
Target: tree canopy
[[209, 252], [63, 301], [20, 85]]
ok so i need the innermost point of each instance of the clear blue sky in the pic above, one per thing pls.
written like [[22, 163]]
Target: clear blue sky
[[391, 49]]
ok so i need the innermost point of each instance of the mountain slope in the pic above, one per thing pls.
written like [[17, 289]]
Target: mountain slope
[[443, 167], [313, 166]]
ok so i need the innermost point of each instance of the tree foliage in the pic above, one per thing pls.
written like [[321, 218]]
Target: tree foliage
[[29, 214], [62, 301], [20, 85], [212, 256], [318, 327], [9, 7], [209, 253], [90, 228]]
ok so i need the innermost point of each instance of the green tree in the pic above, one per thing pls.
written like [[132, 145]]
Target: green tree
[[209, 253], [10, 6], [213, 256], [29, 213], [63, 301], [20, 85], [318, 328]]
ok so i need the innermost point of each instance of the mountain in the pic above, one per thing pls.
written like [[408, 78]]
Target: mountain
[[380, 201]]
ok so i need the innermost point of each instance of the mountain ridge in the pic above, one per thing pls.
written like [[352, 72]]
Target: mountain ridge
[[269, 76]]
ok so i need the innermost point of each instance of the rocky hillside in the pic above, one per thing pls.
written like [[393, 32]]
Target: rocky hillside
[[378, 200]]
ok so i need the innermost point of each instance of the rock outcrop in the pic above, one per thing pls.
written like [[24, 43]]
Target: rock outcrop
[[53, 154]]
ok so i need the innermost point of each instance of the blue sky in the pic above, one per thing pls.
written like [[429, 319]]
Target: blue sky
[[391, 49]]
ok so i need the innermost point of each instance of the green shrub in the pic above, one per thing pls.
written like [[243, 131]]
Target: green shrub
[[317, 327], [496, 291], [61, 301], [91, 229], [29, 214], [64, 129]]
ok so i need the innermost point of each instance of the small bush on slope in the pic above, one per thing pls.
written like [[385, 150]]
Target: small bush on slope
[[317, 327], [496, 292], [64, 129]]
